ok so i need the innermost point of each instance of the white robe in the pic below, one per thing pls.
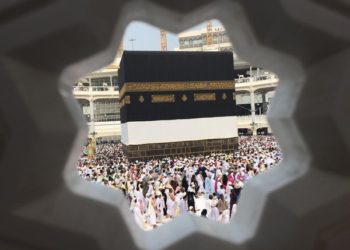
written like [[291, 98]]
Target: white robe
[[138, 217], [212, 185], [200, 184], [152, 214], [214, 214], [225, 216], [208, 206], [233, 212], [181, 203], [171, 207]]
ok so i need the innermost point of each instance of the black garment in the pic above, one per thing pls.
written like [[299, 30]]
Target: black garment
[[145, 186], [204, 213], [174, 184], [233, 200], [194, 180], [124, 191], [190, 200], [165, 202], [184, 183], [110, 171], [224, 180], [202, 171], [237, 191]]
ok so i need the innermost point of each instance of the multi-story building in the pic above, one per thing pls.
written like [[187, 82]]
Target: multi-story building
[[98, 96], [198, 40], [209, 39]]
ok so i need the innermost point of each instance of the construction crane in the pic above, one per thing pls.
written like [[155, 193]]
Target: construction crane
[[120, 49], [163, 40], [209, 33]]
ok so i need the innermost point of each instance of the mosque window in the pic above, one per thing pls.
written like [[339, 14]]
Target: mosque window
[[85, 107], [99, 83], [115, 81], [107, 110]]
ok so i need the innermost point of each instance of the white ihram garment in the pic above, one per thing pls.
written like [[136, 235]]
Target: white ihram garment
[[138, 217], [152, 214]]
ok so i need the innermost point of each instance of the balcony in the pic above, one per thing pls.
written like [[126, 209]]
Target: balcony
[[267, 81], [96, 91]]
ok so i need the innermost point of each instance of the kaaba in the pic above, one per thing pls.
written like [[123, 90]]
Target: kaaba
[[177, 104]]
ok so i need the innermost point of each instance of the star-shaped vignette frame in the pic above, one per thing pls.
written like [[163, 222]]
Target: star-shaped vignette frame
[[302, 204]]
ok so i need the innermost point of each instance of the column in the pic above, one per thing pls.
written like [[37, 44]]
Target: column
[[252, 108], [90, 89], [264, 104], [92, 117]]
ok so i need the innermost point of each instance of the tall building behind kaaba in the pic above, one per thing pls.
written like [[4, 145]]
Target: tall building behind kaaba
[[177, 103]]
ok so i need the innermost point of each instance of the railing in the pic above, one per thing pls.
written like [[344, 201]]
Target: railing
[[248, 118], [94, 88], [115, 88], [256, 78]]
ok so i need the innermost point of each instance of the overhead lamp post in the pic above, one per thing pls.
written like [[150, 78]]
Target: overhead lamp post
[[132, 40]]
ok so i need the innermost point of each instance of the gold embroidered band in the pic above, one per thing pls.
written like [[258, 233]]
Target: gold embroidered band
[[124, 101], [204, 97], [162, 98], [175, 86]]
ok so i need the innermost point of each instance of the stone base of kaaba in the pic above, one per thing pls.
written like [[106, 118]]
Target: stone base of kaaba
[[144, 152]]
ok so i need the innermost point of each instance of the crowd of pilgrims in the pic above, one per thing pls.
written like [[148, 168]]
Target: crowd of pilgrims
[[159, 190]]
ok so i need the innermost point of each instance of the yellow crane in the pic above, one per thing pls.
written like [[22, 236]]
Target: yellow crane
[[209, 33], [120, 49], [163, 40]]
